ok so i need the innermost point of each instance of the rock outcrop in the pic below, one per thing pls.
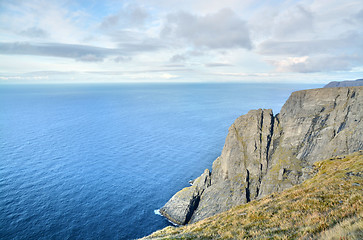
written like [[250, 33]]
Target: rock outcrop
[[264, 153], [326, 206], [180, 207]]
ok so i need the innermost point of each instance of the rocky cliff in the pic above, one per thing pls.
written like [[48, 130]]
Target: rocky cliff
[[326, 206], [266, 153], [347, 83]]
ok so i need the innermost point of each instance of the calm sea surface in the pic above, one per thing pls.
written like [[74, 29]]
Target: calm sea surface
[[95, 161]]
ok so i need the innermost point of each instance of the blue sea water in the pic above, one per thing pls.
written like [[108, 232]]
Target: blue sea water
[[95, 161]]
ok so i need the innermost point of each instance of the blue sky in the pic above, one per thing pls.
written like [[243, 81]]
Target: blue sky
[[180, 41]]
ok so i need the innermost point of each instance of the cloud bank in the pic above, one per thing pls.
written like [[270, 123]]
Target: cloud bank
[[220, 30], [244, 38]]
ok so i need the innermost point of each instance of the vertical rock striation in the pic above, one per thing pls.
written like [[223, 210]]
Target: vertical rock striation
[[264, 153]]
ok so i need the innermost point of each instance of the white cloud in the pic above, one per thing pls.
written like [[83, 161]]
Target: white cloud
[[296, 21], [319, 63], [46, 20], [34, 32], [178, 58], [76, 51], [201, 6], [218, 64], [127, 17], [351, 43], [220, 30], [322, 36], [245, 38]]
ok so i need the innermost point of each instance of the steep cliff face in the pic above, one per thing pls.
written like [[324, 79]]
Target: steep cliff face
[[264, 153], [313, 124]]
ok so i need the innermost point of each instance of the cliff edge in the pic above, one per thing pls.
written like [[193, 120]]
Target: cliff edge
[[266, 153]]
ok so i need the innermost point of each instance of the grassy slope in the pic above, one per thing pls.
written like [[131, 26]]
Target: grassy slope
[[328, 206]]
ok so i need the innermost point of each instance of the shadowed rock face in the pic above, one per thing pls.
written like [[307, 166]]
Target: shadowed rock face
[[264, 153], [180, 207]]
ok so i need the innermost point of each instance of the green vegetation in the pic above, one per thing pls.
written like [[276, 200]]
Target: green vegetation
[[328, 206]]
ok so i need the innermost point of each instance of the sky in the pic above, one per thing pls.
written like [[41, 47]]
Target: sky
[[74, 41]]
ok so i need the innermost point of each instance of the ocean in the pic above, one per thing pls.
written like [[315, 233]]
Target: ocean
[[94, 161]]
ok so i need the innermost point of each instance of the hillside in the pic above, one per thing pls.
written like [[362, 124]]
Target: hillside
[[327, 206], [347, 83]]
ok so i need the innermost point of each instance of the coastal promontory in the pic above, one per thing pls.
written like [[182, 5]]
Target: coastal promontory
[[266, 153], [328, 206]]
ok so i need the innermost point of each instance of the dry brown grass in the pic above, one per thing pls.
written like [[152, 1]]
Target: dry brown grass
[[351, 228], [328, 206]]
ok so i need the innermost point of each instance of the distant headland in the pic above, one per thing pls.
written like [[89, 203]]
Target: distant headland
[[347, 83]]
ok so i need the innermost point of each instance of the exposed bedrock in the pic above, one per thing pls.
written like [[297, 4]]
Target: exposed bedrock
[[264, 153], [180, 207]]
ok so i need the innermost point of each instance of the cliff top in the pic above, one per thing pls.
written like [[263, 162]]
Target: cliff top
[[317, 100]]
